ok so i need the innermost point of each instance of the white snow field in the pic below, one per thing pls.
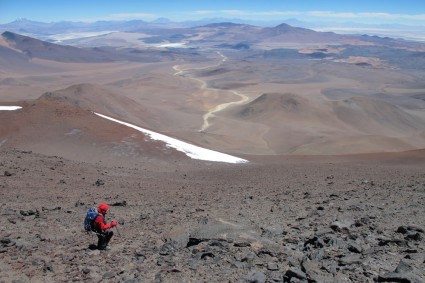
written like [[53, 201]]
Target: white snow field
[[190, 150], [10, 108]]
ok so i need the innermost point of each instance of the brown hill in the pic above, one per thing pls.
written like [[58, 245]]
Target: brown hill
[[303, 125], [100, 99], [56, 128]]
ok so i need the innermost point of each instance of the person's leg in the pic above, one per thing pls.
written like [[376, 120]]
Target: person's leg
[[104, 239], [108, 236], [100, 241]]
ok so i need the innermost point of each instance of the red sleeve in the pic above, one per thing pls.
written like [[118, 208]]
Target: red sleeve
[[101, 224]]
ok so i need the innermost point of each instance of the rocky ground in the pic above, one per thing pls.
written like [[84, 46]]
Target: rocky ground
[[296, 220]]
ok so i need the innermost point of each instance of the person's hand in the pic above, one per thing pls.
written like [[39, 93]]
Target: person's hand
[[114, 223]]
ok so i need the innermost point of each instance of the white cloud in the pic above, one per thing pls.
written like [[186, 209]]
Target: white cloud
[[314, 14], [204, 12], [124, 16], [375, 15]]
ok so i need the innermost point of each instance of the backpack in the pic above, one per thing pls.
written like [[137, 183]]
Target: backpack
[[89, 219]]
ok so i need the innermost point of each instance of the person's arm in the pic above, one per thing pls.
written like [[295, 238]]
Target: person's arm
[[101, 224]]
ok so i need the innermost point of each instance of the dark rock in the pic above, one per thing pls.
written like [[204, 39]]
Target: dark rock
[[387, 241], [193, 242], [48, 267], [7, 173], [398, 277], [255, 277], [143, 216], [7, 242], [120, 203], [242, 244], [207, 255], [295, 272], [416, 236], [27, 212], [99, 182], [314, 242], [407, 229], [140, 258], [166, 249], [85, 270], [362, 221], [355, 248], [340, 226]]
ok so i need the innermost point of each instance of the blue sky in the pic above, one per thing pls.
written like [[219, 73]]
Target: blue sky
[[371, 11]]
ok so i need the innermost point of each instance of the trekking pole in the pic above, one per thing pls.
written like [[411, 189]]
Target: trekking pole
[[119, 234]]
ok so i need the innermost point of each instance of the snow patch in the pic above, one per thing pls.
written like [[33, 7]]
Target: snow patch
[[190, 150], [173, 45], [10, 108]]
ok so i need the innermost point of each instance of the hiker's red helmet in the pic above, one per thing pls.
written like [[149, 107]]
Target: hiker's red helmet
[[103, 208]]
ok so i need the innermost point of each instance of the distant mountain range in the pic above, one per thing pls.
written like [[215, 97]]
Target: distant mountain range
[[37, 29]]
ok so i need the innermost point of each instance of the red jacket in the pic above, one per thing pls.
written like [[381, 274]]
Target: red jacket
[[100, 225]]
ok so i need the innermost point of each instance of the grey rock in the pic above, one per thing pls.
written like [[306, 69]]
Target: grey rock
[[8, 212], [324, 232], [109, 275], [255, 277], [272, 266], [178, 237], [350, 259], [314, 273], [403, 267], [20, 244]]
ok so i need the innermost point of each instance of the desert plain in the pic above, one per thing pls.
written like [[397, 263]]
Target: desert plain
[[332, 129]]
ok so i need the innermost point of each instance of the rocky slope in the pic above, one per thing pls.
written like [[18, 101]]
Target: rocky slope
[[282, 220]]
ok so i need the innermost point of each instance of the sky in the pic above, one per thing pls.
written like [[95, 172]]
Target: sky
[[411, 12]]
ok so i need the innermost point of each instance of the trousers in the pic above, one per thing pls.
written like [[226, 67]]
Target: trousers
[[103, 239]]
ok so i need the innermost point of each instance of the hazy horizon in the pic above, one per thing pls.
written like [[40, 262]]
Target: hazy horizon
[[410, 12]]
